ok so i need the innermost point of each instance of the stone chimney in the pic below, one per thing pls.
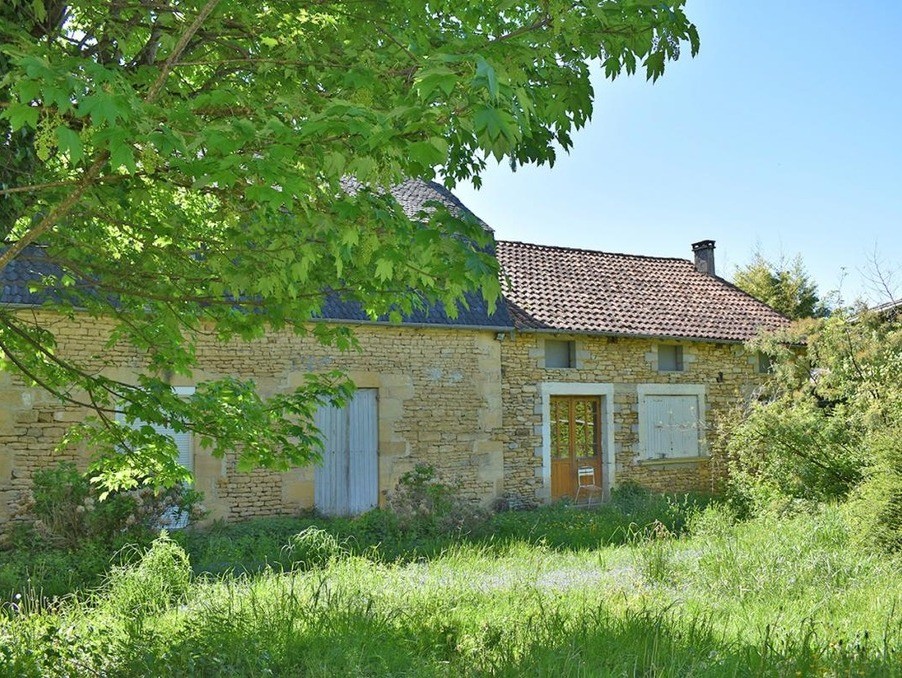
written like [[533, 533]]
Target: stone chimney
[[704, 256]]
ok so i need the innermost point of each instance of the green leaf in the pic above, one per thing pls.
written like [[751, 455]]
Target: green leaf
[[122, 153], [21, 115], [384, 269], [102, 108], [70, 143], [488, 119], [485, 72], [428, 154], [434, 80]]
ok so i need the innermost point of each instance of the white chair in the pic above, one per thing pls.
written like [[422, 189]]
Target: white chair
[[585, 482]]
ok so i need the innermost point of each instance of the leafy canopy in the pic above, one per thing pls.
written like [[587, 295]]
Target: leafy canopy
[[181, 163], [829, 423], [782, 285]]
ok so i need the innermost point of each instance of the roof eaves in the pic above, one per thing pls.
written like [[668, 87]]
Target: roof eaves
[[630, 335], [402, 325]]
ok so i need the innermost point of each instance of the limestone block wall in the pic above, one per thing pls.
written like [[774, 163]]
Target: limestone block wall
[[727, 372], [439, 402]]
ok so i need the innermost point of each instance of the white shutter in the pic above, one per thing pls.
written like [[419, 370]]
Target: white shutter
[[363, 444], [330, 478], [685, 426], [657, 426], [671, 426], [347, 481]]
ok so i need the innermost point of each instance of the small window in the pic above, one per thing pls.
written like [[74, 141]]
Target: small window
[[560, 353], [765, 366], [173, 519], [670, 358]]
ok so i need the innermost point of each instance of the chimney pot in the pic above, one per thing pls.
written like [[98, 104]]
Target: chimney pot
[[704, 256]]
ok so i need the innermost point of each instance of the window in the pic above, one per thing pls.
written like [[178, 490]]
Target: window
[[765, 366], [670, 358], [173, 519], [671, 421], [560, 353], [575, 426]]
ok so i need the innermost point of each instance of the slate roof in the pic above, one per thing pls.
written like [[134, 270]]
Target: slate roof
[[414, 195], [474, 314], [573, 290], [27, 268]]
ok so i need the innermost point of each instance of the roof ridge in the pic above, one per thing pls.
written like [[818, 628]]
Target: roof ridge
[[589, 251]]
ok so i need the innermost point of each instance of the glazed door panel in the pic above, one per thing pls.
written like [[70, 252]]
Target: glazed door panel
[[575, 441]]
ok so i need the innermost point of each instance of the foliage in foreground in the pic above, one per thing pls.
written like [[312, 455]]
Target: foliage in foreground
[[828, 426], [65, 510], [221, 168], [383, 536], [764, 598]]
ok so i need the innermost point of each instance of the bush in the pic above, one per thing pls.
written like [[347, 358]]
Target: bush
[[65, 509], [827, 426], [876, 508], [794, 450], [427, 506], [160, 578]]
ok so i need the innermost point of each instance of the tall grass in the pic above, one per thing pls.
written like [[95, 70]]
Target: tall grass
[[772, 597]]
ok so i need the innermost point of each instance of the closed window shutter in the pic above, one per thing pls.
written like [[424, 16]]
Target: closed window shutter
[[172, 519], [330, 478], [363, 441], [657, 429], [671, 426]]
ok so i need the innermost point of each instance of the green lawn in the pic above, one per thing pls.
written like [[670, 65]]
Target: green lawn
[[779, 597]]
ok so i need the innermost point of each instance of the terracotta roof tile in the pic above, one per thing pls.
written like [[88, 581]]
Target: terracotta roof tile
[[573, 290]]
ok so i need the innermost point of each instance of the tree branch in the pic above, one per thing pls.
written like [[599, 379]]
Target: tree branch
[[93, 172]]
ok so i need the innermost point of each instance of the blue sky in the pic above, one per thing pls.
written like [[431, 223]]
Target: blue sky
[[783, 134]]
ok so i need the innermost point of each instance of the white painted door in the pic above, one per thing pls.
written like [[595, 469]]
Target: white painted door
[[347, 482]]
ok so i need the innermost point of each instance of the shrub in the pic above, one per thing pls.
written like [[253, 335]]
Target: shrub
[[65, 509], [876, 508], [160, 578], [796, 450], [826, 424], [427, 506]]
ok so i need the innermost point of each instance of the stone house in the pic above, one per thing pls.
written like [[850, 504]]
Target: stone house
[[596, 369]]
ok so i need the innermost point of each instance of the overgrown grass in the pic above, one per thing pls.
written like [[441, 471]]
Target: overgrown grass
[[378, 535], [770, 597]]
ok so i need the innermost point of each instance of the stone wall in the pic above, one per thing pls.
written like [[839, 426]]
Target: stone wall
[[458, 399], [727, 373], [439, 403]]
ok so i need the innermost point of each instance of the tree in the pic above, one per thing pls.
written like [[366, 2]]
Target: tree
[[783, 285], [181, 164], [828, 424]]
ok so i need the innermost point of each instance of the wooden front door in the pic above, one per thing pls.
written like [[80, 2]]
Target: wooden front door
[[575, 441]]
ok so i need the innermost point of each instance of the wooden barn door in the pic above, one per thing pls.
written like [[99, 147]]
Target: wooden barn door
[[575, 441], [347, 482]]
